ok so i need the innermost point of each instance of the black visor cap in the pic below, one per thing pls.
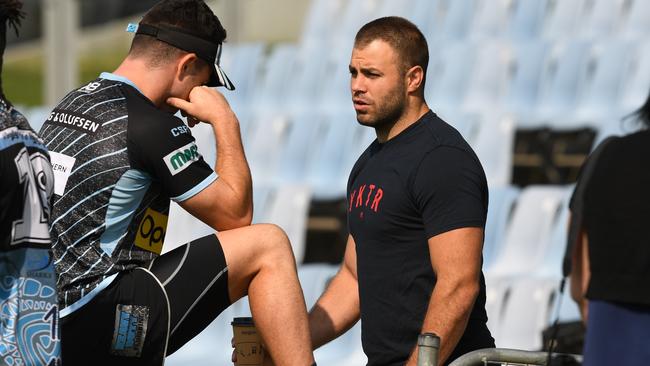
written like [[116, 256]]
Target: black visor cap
[[206, 50]]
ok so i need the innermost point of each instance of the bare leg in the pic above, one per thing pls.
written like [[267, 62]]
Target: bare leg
[[261, 264]]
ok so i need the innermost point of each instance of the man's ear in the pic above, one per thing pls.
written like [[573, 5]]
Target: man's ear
[[414, 78], [186, 66]]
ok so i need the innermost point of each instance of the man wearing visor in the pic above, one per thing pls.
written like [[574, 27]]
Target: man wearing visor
[[119, 156]]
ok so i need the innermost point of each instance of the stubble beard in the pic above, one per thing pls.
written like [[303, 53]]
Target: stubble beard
[[389, 111]]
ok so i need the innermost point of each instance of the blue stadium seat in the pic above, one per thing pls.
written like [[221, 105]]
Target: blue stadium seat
[[526, 19], [528, 237], [600, 18], [494, 145], [423, 13], [601, 79], [635, 19], [525, 69], [449, 74], [455, 21], [560, 78], [561, 18], [503, 200]]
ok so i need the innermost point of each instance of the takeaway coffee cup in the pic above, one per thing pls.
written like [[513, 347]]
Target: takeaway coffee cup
[[248, 344]]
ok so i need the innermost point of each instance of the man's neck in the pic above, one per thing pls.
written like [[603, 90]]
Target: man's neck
[[412, 113], [150, 81]]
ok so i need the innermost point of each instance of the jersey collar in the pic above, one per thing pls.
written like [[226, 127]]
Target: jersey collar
[[111, 76]]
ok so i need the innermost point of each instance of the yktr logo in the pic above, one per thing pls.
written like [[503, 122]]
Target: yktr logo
[[180, 159]]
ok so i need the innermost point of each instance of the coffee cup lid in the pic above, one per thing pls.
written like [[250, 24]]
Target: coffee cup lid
[[243, 321]]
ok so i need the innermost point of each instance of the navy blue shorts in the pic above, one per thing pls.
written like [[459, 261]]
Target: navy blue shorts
[[617, 334]]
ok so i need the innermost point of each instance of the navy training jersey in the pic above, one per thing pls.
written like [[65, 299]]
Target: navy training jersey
[[29, 332], [423, 182], [118, 160]]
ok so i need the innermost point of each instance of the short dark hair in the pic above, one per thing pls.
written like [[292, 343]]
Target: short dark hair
[[10, 15], [191, 16], [402, 35]]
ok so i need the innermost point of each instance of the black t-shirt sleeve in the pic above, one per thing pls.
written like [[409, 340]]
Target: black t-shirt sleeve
[[168, 151], [450, 190]]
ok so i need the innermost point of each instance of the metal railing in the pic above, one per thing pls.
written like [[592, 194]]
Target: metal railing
[[515, 357]]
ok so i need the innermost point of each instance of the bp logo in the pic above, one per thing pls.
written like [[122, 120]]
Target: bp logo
[[181, 158]]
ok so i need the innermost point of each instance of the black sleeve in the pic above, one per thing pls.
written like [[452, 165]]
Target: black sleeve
[[450, 189], [167, 150]]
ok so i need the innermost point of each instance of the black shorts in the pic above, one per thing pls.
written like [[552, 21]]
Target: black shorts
[[146, 314]]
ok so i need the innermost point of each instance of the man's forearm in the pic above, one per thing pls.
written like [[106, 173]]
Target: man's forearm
[[231, 164], [336, 311], [447, 315]]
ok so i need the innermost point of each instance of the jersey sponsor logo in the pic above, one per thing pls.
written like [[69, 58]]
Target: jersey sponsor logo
[[151, 231], [179, 159], [177, 131], [73, 120], [62, 166], [366, 195], [130, 330], [90, 87]]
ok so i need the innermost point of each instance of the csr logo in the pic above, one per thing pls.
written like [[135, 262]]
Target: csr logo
[[177, 131]]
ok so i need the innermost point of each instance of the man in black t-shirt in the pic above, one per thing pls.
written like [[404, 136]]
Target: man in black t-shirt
[[119, 156], [417, 205]]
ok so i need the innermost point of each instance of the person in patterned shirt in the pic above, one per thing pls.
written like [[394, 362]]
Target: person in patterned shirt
[[29, 332], [119, 156]]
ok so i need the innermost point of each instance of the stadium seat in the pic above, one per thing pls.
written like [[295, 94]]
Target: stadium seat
[[529, 234], [494, 146], [600, 18], [276, 77], [560, 78], [526, 19], [525, 70], [332, 161], [455, 20], [527, 311], [423, 13], [503, 200], [489, 78], [491, 19], [290, 210], [303, 139], [243, 63], [561, 18], [262, 201], [635, 20], [600, 81], [449, 74], [317, 26], [265, 142], [636, 79], [551, 265]]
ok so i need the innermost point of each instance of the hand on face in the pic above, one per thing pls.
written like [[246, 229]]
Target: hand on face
[[203, 105]]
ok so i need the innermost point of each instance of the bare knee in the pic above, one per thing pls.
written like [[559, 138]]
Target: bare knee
[[274, 245]]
